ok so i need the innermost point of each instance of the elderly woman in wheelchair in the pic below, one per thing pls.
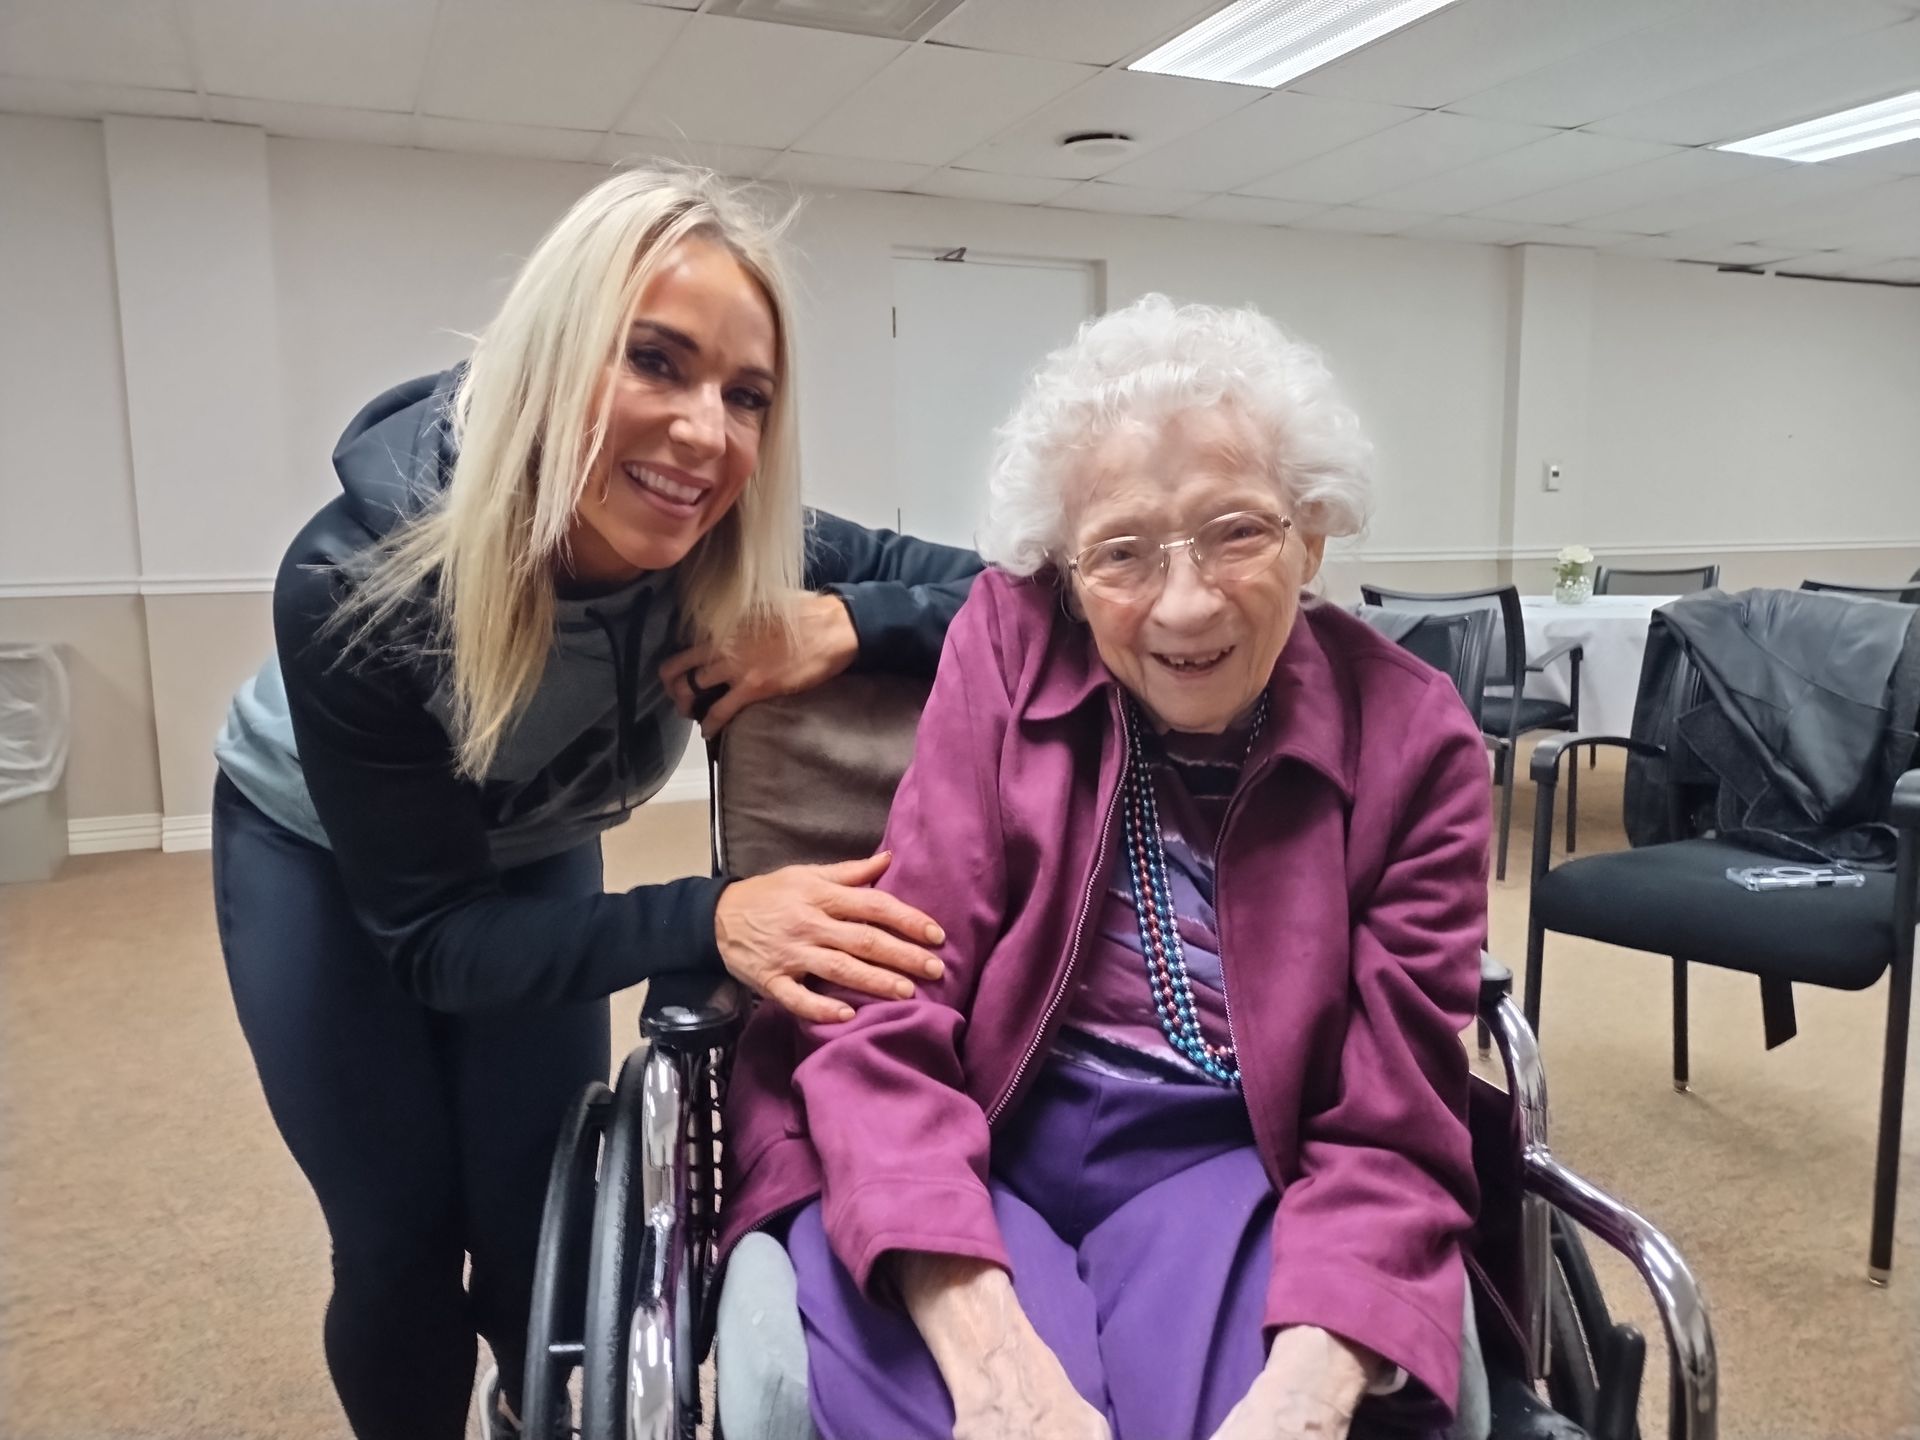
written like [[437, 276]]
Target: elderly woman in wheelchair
[[1178, 1145]]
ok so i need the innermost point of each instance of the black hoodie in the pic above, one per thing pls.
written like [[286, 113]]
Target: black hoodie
[[355, 752]]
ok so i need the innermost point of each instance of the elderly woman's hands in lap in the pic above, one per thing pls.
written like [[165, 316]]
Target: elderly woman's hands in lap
[[1308, 1390], [1004, 1381]]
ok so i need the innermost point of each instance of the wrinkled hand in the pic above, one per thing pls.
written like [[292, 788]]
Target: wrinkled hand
[[1308, 1390], [1005, 1383], [824, 921], [764, 663], [1022, 1393]]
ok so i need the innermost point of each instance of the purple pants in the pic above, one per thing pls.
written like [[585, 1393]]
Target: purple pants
[[1138, 1219]]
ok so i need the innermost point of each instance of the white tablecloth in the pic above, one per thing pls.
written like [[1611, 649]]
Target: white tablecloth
[[1613, 630]]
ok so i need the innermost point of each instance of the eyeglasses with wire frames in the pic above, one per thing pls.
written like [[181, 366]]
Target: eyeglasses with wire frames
[[1129, 569]]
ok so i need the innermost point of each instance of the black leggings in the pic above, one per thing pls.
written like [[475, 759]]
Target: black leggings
[[426, 1137]]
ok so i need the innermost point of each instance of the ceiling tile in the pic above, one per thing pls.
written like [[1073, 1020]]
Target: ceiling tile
[[1354, 220], [743, 162], [1821, 206], [1126, 199], [959, 184], [1470, 230], [1818, 81], [95, 42], [1677, 173], [1474, 45], [1560, 159], [1677, 247], [536, 142], [1905, 271], [25, 96], [1153, 109], [1883, 220], [1392, 158], [839, 172], [747, 82], [1740, 197], [574, 66], [1826, 262], [1579, 238], [1250, 210], [1276, 131], [934, 104], [1704, 41], [314, 122], [1901, 159], [368, 54], [1094, 32]]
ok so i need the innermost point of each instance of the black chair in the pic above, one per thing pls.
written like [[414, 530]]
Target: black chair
[[1506, 711], [1614, 580], [1898, 594], [1673, 898], [635, 1190], [1455, 645]]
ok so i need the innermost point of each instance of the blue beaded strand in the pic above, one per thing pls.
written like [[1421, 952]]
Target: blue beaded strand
[[1167, 978]]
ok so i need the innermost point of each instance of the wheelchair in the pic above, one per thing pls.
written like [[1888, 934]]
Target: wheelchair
[[634, 1193]]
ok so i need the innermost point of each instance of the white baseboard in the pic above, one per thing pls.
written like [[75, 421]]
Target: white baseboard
[[186, 832], [102, 834]]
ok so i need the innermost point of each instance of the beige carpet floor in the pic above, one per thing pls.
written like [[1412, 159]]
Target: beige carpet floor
[[163, 1268]]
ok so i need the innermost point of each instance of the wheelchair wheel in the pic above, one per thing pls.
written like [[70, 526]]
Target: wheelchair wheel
[[639, 1371], [553, 1327], [1595, 1366]]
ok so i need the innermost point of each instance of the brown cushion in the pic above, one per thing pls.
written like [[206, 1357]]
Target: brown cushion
[[809, 779]]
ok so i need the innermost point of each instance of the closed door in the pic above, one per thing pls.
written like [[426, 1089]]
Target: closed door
[[967, 334]]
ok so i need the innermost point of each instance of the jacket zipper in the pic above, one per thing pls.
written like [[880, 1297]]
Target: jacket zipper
[[1220, 909], [1079, 933]]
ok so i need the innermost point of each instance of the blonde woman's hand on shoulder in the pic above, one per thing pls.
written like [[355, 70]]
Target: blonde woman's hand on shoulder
[[824, 922]]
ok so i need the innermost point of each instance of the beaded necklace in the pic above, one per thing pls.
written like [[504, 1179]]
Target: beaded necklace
[[1166, 959]]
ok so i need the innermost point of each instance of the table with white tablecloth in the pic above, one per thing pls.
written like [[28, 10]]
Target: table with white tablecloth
[[1612, 630]]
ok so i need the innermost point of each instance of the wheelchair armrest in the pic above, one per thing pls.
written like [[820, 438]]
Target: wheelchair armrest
[[1496, 983], [691, 1010], [1545, 765], [1693, 1406], [1905, 811], [1540, 662]]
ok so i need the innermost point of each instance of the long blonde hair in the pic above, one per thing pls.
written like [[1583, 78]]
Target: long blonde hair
[[526, 445]]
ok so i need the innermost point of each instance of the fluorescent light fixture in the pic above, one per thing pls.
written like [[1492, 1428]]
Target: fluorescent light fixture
[[1269, 42], [1865, 127]]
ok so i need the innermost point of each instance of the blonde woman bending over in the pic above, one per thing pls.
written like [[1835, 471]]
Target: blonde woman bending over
[[490, 648]]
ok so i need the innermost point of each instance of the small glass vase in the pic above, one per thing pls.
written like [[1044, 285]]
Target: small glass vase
[[1574, 589]]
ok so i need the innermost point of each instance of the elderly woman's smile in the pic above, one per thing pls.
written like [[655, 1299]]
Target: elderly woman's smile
[[1192, 630]]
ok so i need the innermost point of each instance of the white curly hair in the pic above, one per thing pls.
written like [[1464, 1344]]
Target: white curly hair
[[1144, 364]]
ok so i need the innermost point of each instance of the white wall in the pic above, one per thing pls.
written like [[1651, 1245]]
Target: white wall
[[66, 476], [241, 297], [1744, 408], [1416, 333]]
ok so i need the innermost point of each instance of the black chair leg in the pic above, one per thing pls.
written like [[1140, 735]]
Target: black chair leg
[[1484, 1038], [1536, 963], [1680, 1079], [1893, 1084], [1573, 800], [1506, 809]]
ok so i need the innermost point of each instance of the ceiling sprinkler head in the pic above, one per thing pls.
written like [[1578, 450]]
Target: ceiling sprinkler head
[[1100, 145]]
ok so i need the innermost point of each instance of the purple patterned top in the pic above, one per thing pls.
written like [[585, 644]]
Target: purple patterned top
[[1111, 1024]]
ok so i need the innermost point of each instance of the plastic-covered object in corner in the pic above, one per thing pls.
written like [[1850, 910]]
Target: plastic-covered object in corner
[[35, 718]]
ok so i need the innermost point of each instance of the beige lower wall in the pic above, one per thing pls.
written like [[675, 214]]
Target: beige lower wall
[[113, 764], [152, 677], [203, 646]]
